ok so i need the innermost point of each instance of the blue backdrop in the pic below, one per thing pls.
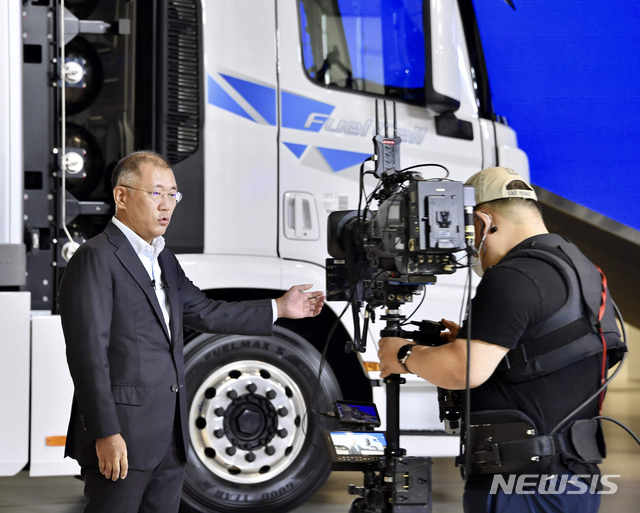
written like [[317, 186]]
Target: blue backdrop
[[567, 77]]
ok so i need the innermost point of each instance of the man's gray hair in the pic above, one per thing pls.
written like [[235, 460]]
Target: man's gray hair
[[127, 171]]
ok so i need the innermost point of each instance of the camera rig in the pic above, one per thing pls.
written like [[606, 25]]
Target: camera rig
[[383, 258]]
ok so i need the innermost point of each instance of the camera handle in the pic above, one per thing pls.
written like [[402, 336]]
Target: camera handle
[[450, 402], [393, 319], [379, 493], [427, 334]]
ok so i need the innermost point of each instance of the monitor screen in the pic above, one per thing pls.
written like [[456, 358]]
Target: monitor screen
[[354, 412], [368, 443]]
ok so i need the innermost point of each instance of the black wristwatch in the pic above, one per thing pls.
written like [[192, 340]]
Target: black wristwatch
[[403, 353]]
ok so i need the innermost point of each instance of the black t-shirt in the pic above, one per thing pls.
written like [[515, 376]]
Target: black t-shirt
[[508, 304]]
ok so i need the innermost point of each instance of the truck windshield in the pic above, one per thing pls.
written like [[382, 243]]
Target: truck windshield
[[370, 46]]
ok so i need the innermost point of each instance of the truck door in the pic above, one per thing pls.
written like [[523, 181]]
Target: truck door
[[241, 132], [335, 58]]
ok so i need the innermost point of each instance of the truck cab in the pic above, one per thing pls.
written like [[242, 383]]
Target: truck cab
[[266, 111]]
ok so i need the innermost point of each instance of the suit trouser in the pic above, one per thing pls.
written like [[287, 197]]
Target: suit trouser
[[156, 490]]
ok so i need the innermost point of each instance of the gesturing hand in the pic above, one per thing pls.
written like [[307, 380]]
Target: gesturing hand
[[112, 457], [297, 304]]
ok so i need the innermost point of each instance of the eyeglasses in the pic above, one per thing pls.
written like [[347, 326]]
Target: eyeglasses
[[157, 197]]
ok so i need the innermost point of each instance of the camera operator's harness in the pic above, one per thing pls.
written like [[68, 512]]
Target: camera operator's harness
[[503, 441]]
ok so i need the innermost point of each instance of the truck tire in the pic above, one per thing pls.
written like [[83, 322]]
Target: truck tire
[[254, 443]]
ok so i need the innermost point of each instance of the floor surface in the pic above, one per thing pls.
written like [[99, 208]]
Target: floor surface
[[22, 494]]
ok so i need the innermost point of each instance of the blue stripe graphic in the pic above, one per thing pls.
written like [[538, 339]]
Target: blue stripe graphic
[[297, 109], [340, 159], [296, 149], [220, 98], [261, 98]]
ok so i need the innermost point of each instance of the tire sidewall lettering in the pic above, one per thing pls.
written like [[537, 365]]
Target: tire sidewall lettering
[[202, 357]]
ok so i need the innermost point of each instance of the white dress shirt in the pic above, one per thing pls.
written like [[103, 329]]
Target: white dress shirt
[[148, 255]]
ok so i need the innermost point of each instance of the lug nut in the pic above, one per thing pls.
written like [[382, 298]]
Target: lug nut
[[282, 433], [232, 394], [271, 394], [270, 450], [283, 412], [219, 411], [218, 433], [250, 457], [231, 450], [251, 388]]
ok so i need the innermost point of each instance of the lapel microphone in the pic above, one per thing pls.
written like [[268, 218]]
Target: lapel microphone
[[162, 285]]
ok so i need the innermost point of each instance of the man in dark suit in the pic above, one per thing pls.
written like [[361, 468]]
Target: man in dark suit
[[123, 301]]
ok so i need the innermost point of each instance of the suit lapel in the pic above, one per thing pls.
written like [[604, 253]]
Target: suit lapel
[[133, 265], [170, 278]]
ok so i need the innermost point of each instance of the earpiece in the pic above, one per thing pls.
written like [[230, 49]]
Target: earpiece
[[486, 219]]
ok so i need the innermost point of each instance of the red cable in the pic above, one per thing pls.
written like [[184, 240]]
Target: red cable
[[603, 306]]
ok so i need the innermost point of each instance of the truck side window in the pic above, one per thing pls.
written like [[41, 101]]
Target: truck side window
[[370, 46]]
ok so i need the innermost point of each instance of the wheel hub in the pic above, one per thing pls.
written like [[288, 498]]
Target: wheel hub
[[250, 422], [247, 421]]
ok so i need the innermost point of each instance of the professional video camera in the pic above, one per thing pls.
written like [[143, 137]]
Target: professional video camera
[[383, 258]]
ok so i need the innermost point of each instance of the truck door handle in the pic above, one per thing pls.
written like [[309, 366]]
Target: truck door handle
[[300, 216]]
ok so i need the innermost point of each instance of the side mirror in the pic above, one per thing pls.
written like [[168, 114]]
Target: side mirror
[[442, 73]]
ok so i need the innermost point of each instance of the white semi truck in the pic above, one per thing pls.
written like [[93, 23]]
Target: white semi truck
[[265, 110]]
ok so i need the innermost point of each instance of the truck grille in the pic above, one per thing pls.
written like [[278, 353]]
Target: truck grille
[[183, 79]]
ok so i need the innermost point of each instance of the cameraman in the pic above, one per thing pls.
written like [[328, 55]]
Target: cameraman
[[523, 301]]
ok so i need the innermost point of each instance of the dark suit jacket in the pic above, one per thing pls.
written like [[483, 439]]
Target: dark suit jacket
[[123, 363]]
